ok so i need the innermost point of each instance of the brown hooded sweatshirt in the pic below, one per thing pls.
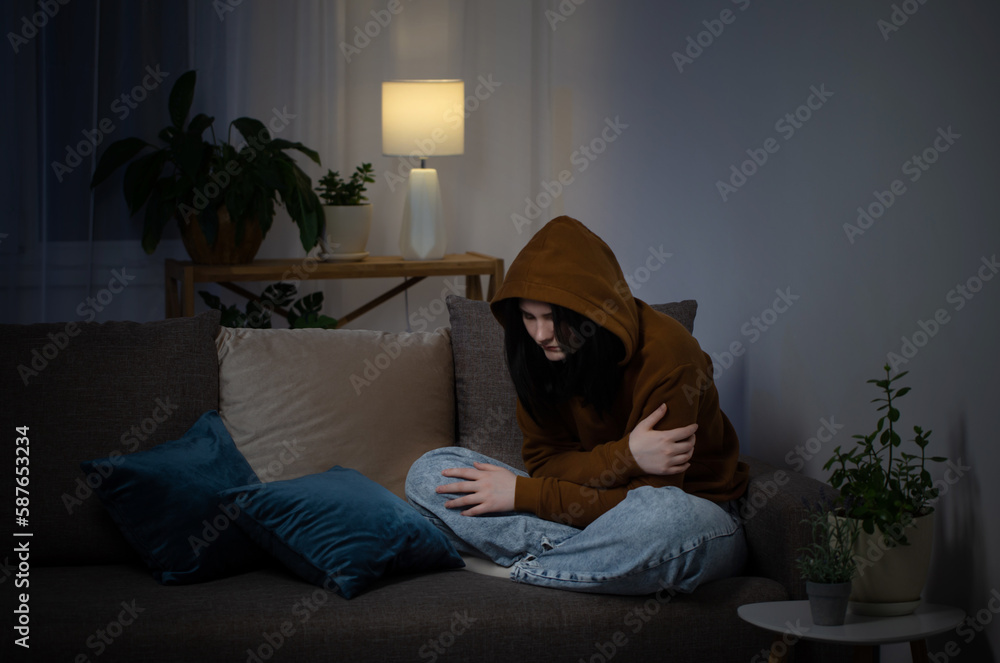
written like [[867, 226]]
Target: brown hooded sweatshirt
[[580, 464]]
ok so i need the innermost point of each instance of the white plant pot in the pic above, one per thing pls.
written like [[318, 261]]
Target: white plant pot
[[347, 228], [890, 580]]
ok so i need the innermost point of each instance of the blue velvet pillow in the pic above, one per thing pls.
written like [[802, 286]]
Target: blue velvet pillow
[[165, 501], [340, 530]]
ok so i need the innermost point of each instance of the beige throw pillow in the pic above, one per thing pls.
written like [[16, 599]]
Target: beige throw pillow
[[299, 401]]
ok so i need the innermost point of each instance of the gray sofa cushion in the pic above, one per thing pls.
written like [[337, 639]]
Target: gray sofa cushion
[[446, 616], [486, 403], [775, 504], [90, 390]]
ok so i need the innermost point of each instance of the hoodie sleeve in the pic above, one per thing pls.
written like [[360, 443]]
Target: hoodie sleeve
[[574, 486], [573, 504], [552, 451]]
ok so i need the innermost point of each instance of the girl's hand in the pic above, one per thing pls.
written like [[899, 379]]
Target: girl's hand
[[488, 487], [663, 452]]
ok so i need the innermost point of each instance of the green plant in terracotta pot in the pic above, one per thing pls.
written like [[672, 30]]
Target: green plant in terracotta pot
[[223, 194], [890, 492], [827, 564]]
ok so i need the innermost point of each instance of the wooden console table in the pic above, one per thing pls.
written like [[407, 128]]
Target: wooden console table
[[185, 274]]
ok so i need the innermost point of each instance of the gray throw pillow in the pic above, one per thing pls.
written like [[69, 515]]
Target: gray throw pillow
[[485, 401]]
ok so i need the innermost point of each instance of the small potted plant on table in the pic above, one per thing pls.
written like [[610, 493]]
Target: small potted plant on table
[[890, 493], [348, 214], [827, 565]]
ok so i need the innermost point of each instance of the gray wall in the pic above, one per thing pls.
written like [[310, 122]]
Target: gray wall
[[858, 296]]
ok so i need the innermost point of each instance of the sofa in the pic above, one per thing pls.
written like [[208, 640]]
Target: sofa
[[296, 403]]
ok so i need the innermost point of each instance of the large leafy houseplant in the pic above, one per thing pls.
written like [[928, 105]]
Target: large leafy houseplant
[[880, 484], [190, 178]]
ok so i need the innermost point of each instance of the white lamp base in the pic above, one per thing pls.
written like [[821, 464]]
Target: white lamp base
[[423, 235]]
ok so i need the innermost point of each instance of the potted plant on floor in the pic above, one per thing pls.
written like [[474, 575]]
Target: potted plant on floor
[[890, 493], [305, 312], [827, 565], [223, 195], [347, 212]]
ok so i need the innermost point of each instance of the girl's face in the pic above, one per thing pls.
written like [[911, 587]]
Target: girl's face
[[537, 317]]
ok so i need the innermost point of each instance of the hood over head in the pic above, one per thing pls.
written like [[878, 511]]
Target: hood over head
[[566, 264]]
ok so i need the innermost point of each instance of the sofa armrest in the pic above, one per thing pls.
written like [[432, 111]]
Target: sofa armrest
[[776, 502]]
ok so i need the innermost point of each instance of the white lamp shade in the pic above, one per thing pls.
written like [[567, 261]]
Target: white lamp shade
[[423, 118]]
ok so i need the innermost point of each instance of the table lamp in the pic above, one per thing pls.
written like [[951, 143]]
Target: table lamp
[[420, 119]]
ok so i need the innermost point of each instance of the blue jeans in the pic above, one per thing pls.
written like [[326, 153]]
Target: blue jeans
[[656, 538]]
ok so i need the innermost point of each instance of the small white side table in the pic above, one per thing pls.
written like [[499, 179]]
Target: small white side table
[[791, 621]]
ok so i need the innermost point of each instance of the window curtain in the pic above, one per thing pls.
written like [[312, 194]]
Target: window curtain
[[84, 75], [101, 71]]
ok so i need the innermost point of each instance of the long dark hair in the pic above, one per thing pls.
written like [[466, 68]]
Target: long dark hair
[[590, 369]]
